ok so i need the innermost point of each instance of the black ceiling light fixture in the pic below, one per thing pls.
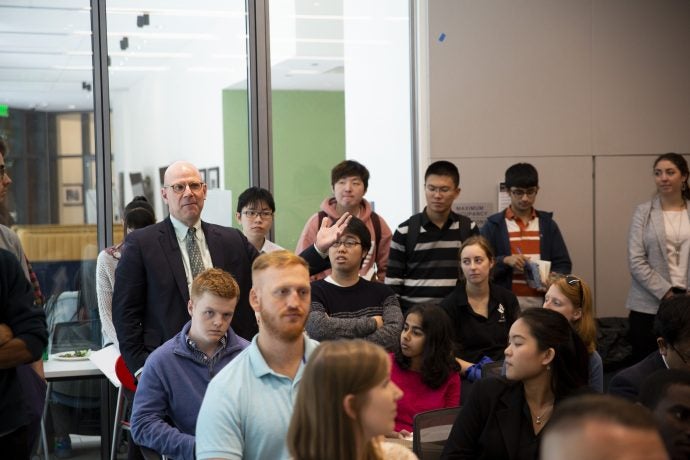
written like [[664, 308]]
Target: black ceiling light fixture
[[124, 43], [143, 20]]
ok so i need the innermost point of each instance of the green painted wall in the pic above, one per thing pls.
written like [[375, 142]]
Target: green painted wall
[[308, 140], [236, 143]]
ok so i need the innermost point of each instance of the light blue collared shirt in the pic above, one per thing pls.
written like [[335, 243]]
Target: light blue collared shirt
[[247, 408]]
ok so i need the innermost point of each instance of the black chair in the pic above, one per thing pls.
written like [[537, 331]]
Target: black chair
[[431, 430], [150, 454]]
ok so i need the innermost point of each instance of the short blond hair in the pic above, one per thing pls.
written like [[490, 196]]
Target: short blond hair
[[277, 259], [217, 282]]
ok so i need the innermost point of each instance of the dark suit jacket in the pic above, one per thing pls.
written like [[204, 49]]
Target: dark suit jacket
[[627, 382], [493, 424], [151, 294]]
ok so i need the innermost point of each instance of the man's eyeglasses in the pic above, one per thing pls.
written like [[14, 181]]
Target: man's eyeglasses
[[573, 280], [520, 192], [254, 214], [682, 356], [349, 244], [182, 186], [442, 190]]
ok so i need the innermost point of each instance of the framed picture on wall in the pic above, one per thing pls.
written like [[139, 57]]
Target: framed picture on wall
[[161, 174], [213, 177], [202, 173], [71, 195]]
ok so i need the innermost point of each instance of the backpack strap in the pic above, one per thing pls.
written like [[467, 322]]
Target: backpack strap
[[322, 214], [413, 228], [376, 222]]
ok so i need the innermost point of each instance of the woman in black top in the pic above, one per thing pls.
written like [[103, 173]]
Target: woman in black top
[[545, 362], [480, 311]]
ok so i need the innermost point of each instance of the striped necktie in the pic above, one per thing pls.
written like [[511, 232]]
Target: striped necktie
[[195, 261]]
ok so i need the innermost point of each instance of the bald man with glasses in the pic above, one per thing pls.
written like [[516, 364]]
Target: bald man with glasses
[[159, 263]]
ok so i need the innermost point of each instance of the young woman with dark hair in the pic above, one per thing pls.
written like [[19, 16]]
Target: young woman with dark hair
[[424, 366], [658, 250], [545, 362], [137, 214]]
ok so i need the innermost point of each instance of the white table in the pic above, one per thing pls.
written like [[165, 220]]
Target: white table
[[57, 370], [69, 370]]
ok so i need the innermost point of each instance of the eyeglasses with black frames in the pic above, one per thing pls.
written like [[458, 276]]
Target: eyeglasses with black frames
[[349, 244], [520, 192], [180, 187], [253, 214]]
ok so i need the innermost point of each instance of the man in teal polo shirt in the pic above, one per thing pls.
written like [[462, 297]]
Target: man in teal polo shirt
[[247, 407]]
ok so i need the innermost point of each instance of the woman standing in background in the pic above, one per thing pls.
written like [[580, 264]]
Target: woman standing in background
[[138, 214], [658, 250]]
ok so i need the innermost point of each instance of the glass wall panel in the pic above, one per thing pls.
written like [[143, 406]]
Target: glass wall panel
[[175, 69], [340, 90], [46, 106]]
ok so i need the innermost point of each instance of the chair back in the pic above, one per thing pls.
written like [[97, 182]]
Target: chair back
[[124, 375], [431, 430], [75, 335]]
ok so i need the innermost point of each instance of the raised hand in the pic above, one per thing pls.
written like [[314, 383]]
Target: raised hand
[[329, 234]]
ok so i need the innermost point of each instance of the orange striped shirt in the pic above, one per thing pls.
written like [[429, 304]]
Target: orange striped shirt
[[524, 239]]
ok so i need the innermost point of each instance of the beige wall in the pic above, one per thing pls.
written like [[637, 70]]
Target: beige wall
[[588, 91]]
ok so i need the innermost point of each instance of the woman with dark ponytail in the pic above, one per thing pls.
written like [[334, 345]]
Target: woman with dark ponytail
[[658, 250], [545, 362], [137, 214]]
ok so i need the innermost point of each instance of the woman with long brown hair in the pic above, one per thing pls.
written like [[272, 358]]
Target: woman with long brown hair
[[345, 404], [658, 250]]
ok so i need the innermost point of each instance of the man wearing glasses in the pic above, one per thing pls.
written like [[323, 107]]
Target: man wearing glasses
[[159, 263], [423, 261], [521, 234], [255, 210], [345, 305]]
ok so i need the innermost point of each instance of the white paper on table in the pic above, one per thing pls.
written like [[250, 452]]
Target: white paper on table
[[104, 359]]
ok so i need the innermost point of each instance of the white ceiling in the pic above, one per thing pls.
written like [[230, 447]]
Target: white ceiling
[[46, 59]]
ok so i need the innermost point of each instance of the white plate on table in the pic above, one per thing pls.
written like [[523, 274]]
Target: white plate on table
[[66, 356]]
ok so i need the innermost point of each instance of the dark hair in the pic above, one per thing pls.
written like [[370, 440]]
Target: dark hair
[[522, 175], [682, 166], [3, 147], [139, 213], [357, 228], [570, 365], [255, 196], [350, 168], [443, 168], [575, 411], [438, 361], [672, 321], [654, 388]]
